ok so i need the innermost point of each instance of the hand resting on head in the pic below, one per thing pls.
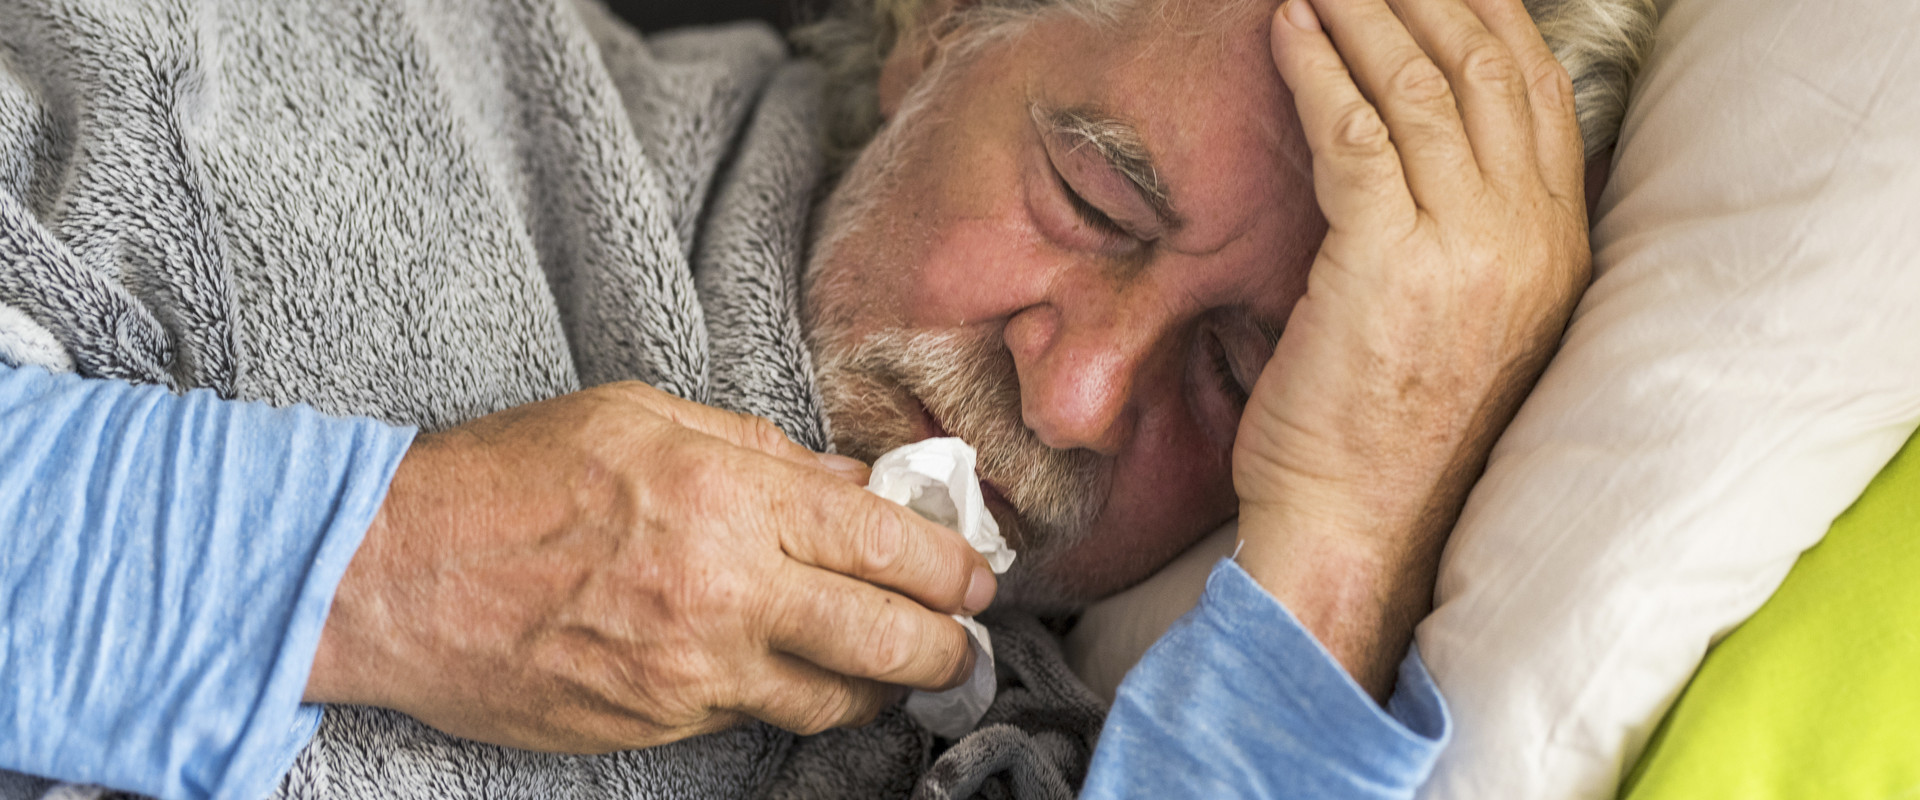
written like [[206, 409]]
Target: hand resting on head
[[1447, 160]]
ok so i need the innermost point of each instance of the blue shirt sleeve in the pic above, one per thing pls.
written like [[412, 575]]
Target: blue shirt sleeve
[[1239, 700], [165, 571]]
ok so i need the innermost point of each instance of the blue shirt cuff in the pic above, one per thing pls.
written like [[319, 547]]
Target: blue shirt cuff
[[1238, 699], [167, 568]]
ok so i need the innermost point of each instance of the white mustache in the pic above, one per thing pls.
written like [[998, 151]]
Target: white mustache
[[969, 385]]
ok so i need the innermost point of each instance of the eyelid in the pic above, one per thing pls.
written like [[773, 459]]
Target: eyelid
[[1228, 371], [1088, 212], [1248, 343], [1058, 149]]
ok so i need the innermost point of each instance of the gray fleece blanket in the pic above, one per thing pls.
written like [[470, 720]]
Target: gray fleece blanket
[[427, 210]]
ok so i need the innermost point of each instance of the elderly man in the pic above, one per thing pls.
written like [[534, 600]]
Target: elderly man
[[1075, 242]]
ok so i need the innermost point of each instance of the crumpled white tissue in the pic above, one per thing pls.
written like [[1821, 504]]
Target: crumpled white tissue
[[935, 478]]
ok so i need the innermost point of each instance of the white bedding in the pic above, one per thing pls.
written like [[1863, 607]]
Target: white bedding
[[1747, 358]]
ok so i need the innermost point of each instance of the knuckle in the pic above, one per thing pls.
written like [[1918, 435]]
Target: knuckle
[[1329, 69], [670, 689], [721, 594], [1487, 61], [878, 535], [1418, 81], [631, 391], [881, 542], [631, 387], [861, 714], [829, 707], [695, 581], [1358, 131], [887, 649], [954, 648], [702, 470], [688, 599], [1551, 85], [760, 433], [807, 724]]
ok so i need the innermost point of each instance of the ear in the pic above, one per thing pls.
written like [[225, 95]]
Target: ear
[[920, 39]]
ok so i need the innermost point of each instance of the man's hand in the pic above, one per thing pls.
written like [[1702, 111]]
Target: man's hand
[[619, 568], [1447, 160]]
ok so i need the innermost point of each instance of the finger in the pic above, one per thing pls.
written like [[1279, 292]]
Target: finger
[[801, 697], [1357, 175], [852, 470], [1487, 86], [862, 631], [1556, 127], [1411, 93], [848, 531]]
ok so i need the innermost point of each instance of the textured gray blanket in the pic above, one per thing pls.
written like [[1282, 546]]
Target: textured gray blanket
[[427, 210]]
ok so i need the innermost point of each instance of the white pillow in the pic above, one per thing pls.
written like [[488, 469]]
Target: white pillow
[[1114, 633], [1747, 358]]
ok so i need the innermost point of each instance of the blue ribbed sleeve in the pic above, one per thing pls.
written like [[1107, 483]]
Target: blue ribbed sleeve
[[1239, 700], [166, 565]]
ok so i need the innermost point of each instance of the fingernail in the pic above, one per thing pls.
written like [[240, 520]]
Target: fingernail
[[980, 590], [1300, 13], [971, 662], [845, 467]]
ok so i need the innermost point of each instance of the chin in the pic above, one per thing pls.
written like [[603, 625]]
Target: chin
[[1059, 584], [1038, 592], [1103, 564]]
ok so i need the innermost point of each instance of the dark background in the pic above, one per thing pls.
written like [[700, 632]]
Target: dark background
[[658, 15]]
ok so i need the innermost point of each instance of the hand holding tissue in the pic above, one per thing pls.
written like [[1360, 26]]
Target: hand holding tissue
[[935, 478]]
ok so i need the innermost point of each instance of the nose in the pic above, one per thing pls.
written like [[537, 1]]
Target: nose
[[1081, 357]]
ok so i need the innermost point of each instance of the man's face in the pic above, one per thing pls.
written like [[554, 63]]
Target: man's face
[[1072, 247]]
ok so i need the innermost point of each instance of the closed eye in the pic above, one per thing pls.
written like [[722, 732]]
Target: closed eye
[[1223, 372], [1088, 212]]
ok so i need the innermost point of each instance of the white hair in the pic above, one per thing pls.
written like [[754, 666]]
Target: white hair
[[1601, 43]]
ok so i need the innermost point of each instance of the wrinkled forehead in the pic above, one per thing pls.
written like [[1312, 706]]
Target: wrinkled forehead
[[1197, 79], [1190, 55]]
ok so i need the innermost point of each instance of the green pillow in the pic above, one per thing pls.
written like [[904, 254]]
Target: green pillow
[[1818, 695]]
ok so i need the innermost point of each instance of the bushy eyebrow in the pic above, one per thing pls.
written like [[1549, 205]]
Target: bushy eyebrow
[[1119, 143]]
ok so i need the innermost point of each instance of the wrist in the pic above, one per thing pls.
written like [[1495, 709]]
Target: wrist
[[361, 658], [346, 655], [1356, 591]]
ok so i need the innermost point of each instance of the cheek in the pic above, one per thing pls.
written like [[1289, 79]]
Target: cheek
[[915, 265], [978, 268], [1172, 486], [981, 258]]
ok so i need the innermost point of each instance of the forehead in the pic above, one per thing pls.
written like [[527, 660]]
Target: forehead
[[1197, 80]]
